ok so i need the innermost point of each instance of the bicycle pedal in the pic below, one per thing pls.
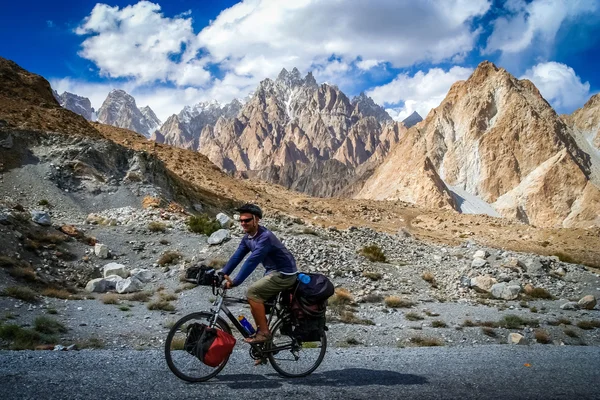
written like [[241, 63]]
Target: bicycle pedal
[[260, 361]]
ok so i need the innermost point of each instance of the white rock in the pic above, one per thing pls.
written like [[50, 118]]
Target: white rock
[[587, 302], [571, 305], [129, 285], [505, 291], [516, 338], [97, 285], [481, 254], [101, 250], [143, 275], [111, 282], [224, 220], [41, 218], [483, 283], [479, 263], [219, 236], [115, 269]]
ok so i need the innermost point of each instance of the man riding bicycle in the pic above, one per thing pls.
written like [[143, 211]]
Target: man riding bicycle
[[280, 267]]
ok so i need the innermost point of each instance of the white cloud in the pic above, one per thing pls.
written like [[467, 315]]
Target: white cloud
[[306, 33], [50, 23], [139, 42], [560, 85], [419, 93], [535, 22]]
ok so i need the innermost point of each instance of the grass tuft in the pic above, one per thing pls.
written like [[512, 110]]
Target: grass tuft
[[374, 276], [486, 330], [161, 305], [588, 325], [341, 297], [541, 336], [571, 333], [57, 293], [348, 317], [142, 297], [439, 324], [169, 257], [156, 226], [540, 293], [413, 316], [203, 224], [21, 293], [47, 325], [398, 302], [373, 298], [110, 298], [421, 341], [373, 253]]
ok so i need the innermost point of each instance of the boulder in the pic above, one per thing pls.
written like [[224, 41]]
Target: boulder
[[571, 305], [129, 285], [505, 291], [97, 285], [115, 269], [514, 264], [516, 338], [219, 237], [479, 263], [587, 302], [71, 231], [481, 254], [144, 275], [224, 220], [111, 282], [483, 283], [534, 267], [101, 250], [41, 218]]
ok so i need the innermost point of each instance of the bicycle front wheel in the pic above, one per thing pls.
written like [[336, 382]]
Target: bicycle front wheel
[[300, 358], [183, 364]]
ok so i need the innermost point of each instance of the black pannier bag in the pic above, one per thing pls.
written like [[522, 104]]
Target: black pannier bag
[[211, 346], [200, 275], [316, 291]]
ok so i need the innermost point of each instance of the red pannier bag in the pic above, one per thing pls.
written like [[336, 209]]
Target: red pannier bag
[[210, 345]]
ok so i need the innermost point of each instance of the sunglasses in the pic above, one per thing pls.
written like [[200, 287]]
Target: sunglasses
[[245, 221]]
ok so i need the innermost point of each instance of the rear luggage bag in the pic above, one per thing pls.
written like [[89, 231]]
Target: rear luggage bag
[[317, 290], [211, 346]]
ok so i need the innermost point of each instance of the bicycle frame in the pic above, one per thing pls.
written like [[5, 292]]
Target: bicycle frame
[[220, 306]]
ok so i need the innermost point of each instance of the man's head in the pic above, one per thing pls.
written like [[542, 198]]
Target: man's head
[[250, 215]]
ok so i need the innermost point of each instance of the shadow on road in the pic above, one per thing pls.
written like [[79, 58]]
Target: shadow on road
[[344, 377]]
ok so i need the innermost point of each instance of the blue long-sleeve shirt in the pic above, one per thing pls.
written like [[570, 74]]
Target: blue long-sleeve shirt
[[266, 249]]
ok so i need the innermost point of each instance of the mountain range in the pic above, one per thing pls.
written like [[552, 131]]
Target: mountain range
[[494, 145]]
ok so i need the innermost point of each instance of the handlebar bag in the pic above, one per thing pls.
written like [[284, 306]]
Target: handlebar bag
[[200, 275], [210, 345]]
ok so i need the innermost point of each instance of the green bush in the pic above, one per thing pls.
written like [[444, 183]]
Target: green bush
[[203, 224], [373, 253], [48, 325]]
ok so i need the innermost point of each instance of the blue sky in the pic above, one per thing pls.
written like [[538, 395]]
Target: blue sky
[[404, 54]]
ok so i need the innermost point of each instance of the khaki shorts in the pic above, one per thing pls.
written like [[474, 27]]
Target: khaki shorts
[[269, 286]]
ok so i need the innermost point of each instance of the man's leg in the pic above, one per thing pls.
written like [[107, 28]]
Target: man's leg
[[260, 317]]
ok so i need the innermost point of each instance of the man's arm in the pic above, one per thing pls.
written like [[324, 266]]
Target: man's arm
[[235, 259], [263, 245]]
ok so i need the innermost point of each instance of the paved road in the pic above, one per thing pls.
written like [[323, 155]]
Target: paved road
[[490, 372]]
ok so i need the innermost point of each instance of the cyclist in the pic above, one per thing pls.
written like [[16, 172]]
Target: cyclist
[[279, 264]]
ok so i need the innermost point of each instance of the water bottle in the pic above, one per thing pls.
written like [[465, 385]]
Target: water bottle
[[304, 278], [246, 324]]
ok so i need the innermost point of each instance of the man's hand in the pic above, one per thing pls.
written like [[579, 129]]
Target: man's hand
[[228, 282]]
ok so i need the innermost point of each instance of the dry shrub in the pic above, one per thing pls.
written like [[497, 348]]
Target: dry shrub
[[21, 293], [398, 302], [110, 298], [139, 296], [156, 226], [149, 201], [204, 224], [169, 257], [373, 253], [184, 287], [571, 333], [468, 323], [48, 325], [413, 316], [488, 331], [587, 325], [540, 293], [374, 276], [439, 324], [373, 298], [341, 297], [23, 273], [177, 343], [348, 317], [168, 296], [57, 293], [560, 321], [161, 305], [541, 336], [90, 343], [421, 341]]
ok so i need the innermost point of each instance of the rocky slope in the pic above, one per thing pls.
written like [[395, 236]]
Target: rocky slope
[[412, 120], [78, 104], [494, 137], [119, 109]]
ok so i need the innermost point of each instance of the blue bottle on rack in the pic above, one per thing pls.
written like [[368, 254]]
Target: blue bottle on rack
[[246, 324], [304, 278]]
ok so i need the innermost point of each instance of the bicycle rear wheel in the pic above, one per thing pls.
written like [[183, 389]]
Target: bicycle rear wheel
[[301, 359], [183, 364]]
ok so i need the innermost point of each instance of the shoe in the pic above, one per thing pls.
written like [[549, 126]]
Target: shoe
[[260, 361], [260, 337]]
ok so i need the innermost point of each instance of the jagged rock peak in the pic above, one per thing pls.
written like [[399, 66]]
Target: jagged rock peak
[[119, 109], [412, 119], [364, 106], [291, 79], [78, 104]]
